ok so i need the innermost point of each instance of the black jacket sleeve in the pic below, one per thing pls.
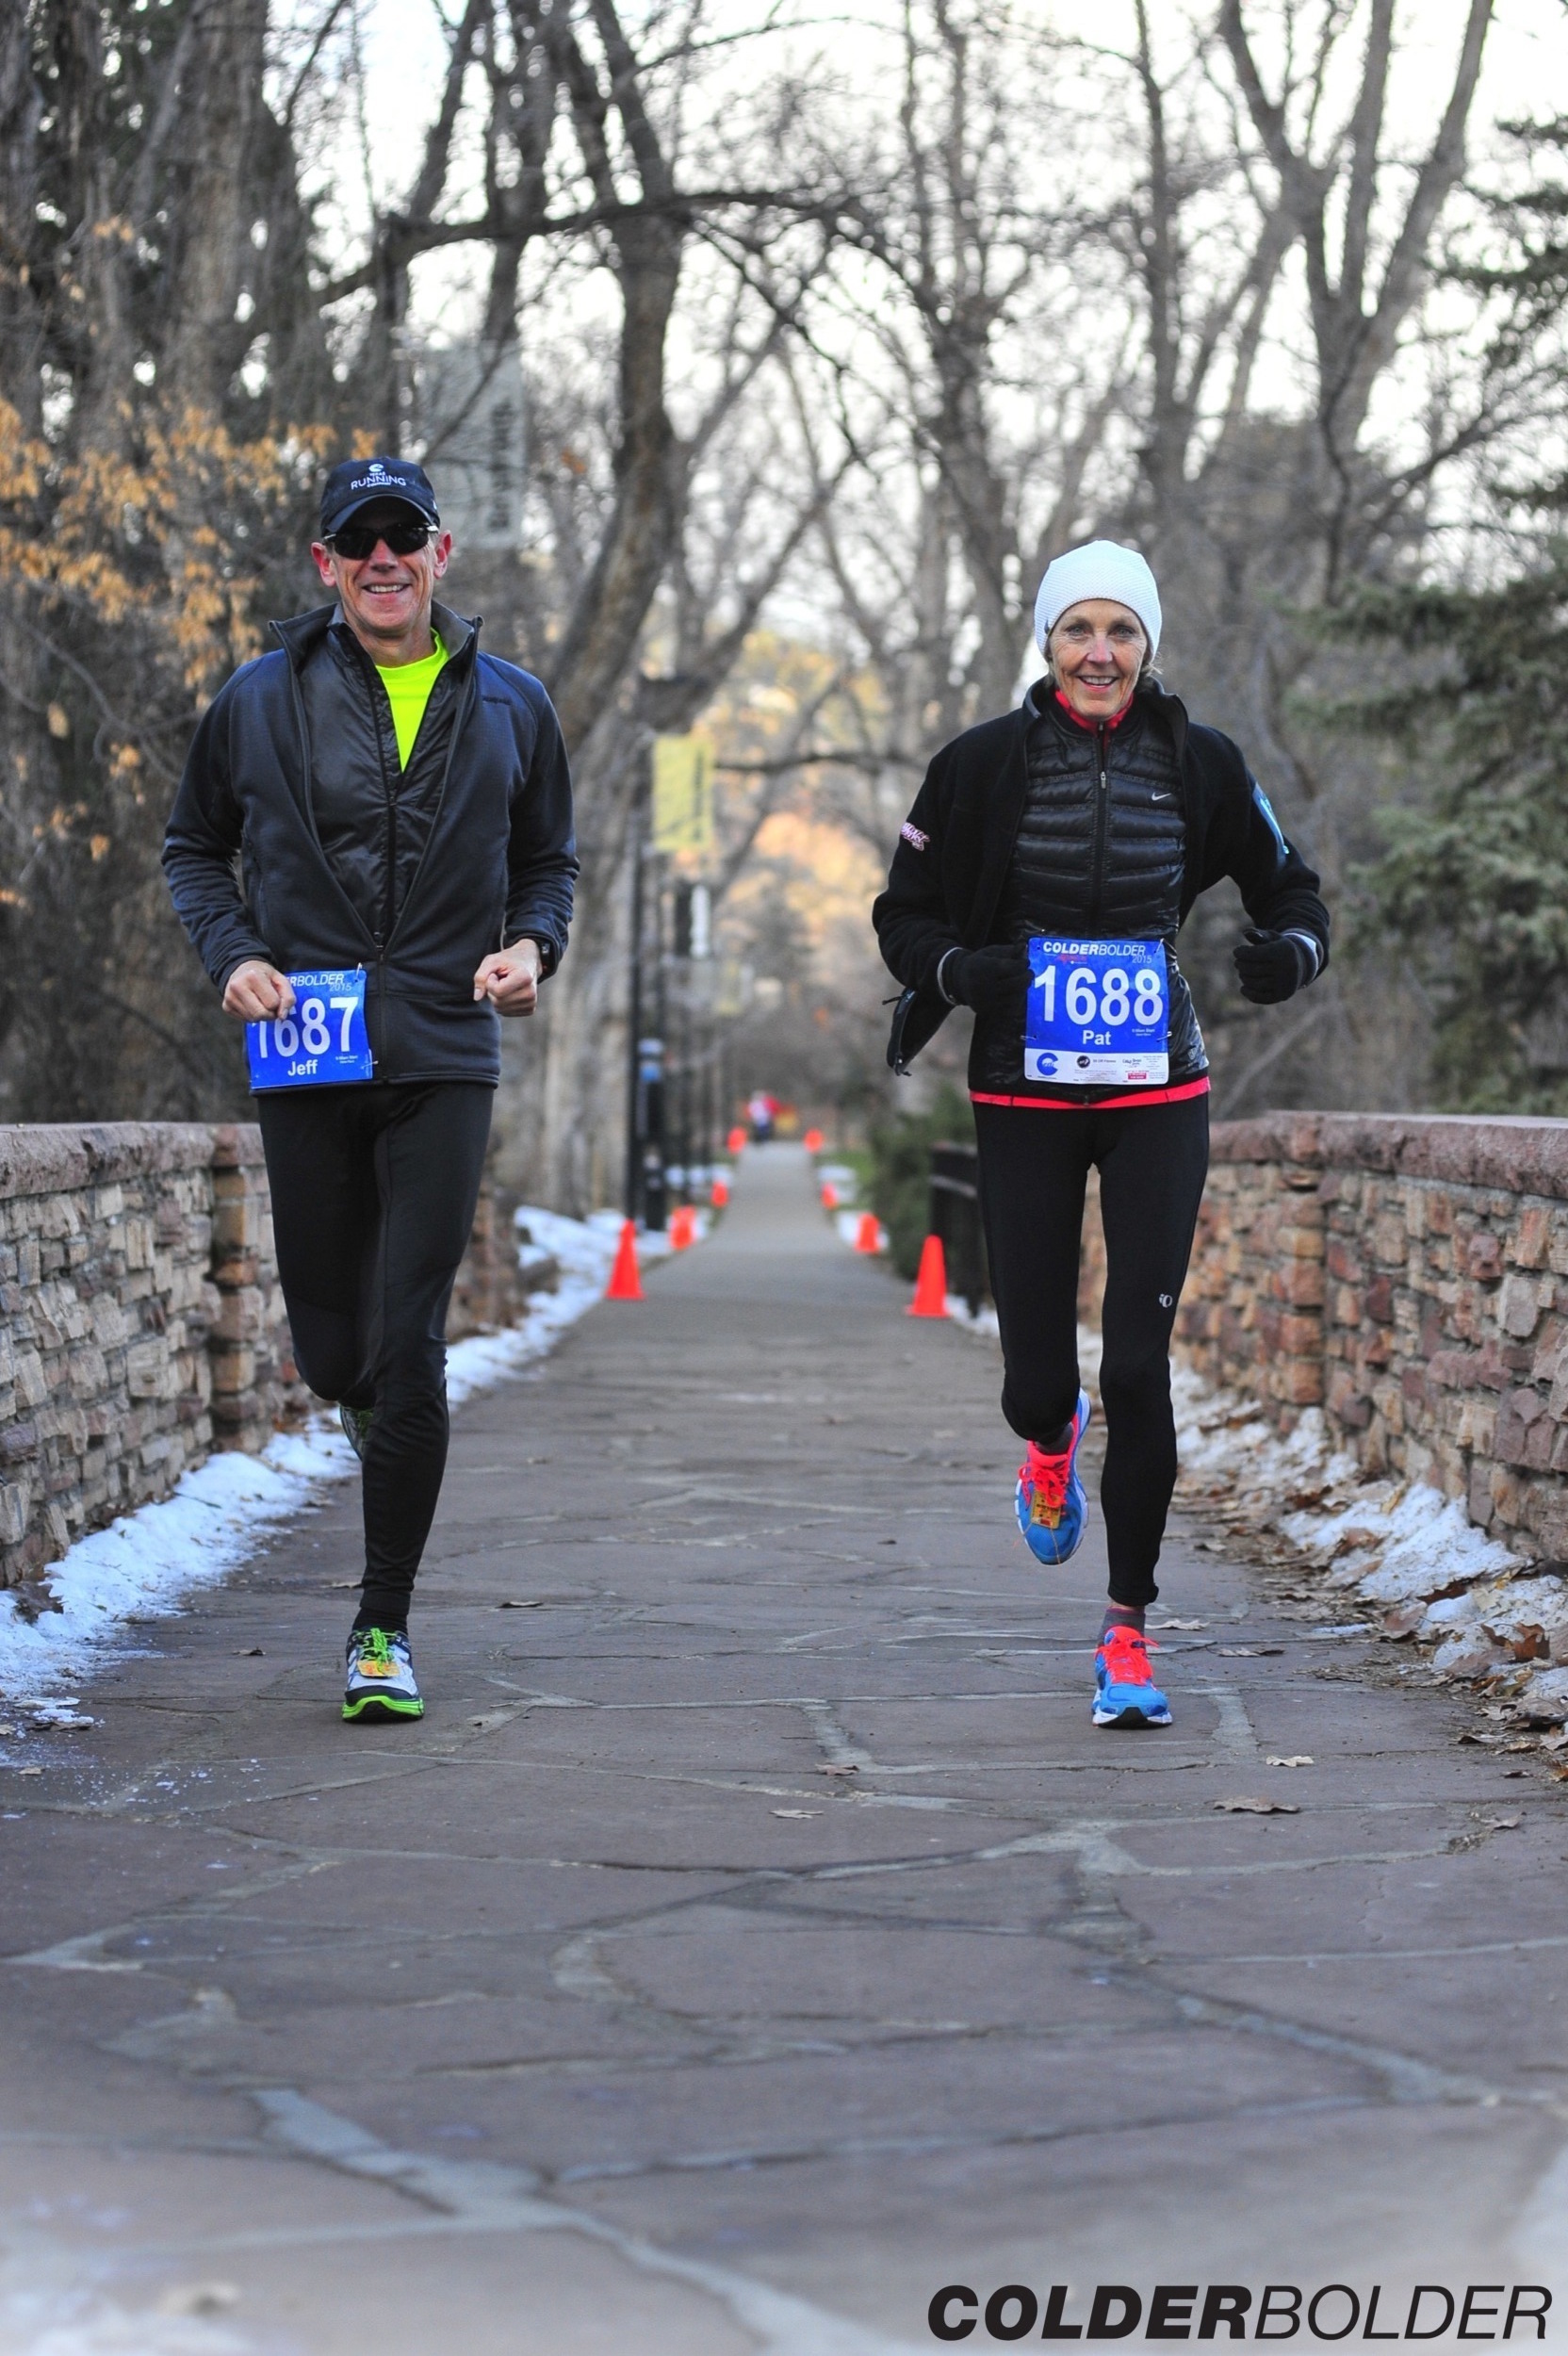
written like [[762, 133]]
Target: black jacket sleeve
[[1279, 891], [201, 845], [541, 855], [913, 924]]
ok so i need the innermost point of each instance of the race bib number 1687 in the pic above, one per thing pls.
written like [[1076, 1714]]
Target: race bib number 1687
[[322, 1043], [1099, 1013]]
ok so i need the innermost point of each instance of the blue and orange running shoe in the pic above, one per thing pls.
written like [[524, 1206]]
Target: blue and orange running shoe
[[1125, 1694], [1051, 1507]]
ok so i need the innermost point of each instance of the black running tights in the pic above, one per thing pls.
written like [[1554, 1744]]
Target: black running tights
[[373, 1194], [1152, 1160]]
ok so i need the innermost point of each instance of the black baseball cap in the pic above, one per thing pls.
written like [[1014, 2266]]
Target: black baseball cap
[[359, 481]]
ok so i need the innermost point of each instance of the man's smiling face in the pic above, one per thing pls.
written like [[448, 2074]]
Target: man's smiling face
[[385, 596]]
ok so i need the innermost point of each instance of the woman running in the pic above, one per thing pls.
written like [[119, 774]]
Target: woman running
[[1041, 878]]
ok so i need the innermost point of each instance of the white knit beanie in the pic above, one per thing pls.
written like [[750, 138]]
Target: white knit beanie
[[1101, 568]]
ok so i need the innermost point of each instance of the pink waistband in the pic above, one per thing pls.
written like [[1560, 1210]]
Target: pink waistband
[[1102, 1104]]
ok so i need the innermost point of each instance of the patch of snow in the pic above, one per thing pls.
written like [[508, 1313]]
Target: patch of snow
[[1402, 1548], [848, 1225], [981, 1322], [1545, 1696], [146, 1563]]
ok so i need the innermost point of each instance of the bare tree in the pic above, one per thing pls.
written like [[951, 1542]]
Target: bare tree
[[150, 232]]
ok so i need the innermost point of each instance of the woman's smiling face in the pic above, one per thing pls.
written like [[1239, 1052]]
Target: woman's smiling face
[[1097, 649]]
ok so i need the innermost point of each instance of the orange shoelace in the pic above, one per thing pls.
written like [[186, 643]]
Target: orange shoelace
[[1126, 1657]]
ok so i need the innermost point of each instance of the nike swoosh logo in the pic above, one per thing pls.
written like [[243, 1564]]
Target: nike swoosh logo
[[1162, 797]]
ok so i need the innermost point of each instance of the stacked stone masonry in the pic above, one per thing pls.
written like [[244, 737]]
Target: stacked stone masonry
[[140, 1320], [1409, 1277]]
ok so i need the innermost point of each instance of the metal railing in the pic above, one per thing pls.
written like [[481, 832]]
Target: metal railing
[[955, 1218]]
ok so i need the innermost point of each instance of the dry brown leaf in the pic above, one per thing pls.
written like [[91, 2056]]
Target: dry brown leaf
[[1294, 1759], [1248, 1807]]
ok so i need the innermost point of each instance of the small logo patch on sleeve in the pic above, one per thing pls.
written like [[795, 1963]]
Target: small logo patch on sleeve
[[913, 836]]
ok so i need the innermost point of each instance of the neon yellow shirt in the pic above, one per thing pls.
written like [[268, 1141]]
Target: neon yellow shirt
[[408, 687]]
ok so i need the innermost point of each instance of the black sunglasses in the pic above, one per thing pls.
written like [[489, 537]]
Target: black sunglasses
[[358, 541]]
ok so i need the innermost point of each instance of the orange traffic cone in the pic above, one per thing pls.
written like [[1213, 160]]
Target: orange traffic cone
[[813, 1140], [625, 1284], [868, 1236], [930, 1298], [719, 1193], [829, 1195], [682, 1228], [737, 1140]]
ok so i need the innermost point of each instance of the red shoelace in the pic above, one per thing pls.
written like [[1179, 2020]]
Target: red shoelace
[[1126, 1657]]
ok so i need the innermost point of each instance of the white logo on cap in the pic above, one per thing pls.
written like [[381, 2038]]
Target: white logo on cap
[[374, 475]]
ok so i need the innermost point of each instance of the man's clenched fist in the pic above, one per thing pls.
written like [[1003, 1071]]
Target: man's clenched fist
[[510, 979], [258, 992]]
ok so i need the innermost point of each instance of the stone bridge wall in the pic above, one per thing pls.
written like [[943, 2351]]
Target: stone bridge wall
[[1407, 1276], [142, 1323]]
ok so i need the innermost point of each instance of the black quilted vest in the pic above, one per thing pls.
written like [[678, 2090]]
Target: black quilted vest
[[1100, 852]]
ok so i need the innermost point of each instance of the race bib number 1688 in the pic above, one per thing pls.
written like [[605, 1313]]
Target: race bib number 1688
[[322, 1043], [1099, 1013]]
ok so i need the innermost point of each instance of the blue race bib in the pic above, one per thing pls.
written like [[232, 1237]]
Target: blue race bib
[[321, 1044], [1098, 1013]]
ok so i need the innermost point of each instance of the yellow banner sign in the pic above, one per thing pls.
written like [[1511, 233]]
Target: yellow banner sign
[[682, 793]]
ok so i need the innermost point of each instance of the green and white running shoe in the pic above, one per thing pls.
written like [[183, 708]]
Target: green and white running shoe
[[356, 1422], [379, 1680]]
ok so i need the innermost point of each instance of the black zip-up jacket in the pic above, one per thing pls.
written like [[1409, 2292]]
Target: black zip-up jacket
[[345, 859], [946, 887]]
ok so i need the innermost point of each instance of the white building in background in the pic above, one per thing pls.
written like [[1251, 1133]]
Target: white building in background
[[470, 425]]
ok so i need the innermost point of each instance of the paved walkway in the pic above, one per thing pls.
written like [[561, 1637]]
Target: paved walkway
[[754, 1936]]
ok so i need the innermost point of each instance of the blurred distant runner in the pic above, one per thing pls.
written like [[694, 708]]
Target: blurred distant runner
[[1041, 877], [400, 810], [761, 1111]]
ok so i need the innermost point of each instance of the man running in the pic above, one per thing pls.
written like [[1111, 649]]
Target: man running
[[400, 806], [1041, 878]]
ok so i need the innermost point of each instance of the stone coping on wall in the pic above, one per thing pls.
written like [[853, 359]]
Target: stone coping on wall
[[57, 1157], [1517, 1153]]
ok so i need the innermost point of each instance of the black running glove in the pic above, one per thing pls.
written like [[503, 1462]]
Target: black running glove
[[985, 979], [1274, 966]]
